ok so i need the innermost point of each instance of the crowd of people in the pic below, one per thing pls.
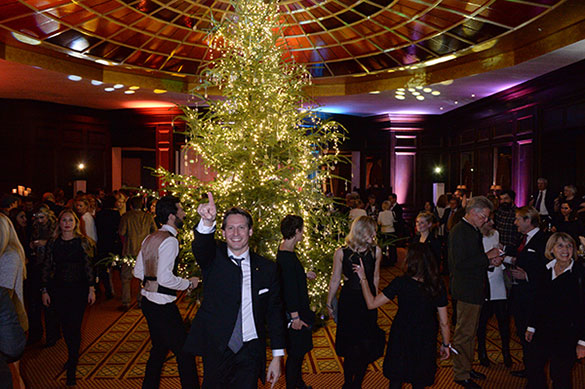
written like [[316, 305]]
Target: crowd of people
[[500, 259]]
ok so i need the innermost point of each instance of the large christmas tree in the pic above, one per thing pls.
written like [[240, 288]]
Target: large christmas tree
[[269, 153]]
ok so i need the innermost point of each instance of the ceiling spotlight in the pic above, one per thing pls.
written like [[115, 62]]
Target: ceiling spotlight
[[427, 90], [400, 89], [419, 87], [118, 86], [96, 82], [421, 98], [415, 93], [375, 92], [399, 97], [104, 62], [399, 92], [435, 93], [473, 95], [134, 87], [110, 89], [26, 39], [411, 89], [456, 102], [80, 166], [438, 170], [73, 77], [159, 91], [441, 108], [129, 92]]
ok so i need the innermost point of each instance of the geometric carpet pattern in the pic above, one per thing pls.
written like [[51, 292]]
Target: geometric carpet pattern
[[116, 355]]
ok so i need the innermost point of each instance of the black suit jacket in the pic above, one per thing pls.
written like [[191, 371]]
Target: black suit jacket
[[214, 322], [533, 261], [468, 264], [549, 201]]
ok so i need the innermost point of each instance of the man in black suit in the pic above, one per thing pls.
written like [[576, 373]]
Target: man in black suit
[[543, 200], [468, 264], [241, 296], [528, 270]]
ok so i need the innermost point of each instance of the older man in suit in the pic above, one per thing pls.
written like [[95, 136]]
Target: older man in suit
[[469, 264], [528, 270], [241, 296]]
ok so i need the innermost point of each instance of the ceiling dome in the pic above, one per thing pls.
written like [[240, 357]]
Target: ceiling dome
[[334, 38]]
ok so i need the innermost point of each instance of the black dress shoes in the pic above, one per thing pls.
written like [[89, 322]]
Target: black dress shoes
[[468, 383], [484, 360], [519, 373], [476, 375]]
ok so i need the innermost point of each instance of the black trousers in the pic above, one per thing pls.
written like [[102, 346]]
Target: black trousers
[[167, 332], [520, 311], [294, 371], [558, 347], [500, 309], [70, 303], [234, 371]]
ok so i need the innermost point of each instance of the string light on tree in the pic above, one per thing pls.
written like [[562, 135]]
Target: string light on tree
[[269, 153]]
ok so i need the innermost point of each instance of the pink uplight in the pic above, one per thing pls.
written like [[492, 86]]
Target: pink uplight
[[147, 104]]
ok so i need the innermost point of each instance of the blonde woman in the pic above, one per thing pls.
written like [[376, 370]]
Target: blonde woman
[[68, 282], [12, 274], [359, 339]]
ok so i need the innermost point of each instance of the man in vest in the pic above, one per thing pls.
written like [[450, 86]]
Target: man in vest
[[155, 266]]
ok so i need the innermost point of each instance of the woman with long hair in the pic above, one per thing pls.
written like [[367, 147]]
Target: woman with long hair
[[68, 282], [412, 345], [567, 222], [12, 275], [358, 335]]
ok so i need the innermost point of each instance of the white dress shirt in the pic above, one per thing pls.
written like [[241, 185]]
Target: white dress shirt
[[248, 324], [542, 210], [167, 252], [89, 226]]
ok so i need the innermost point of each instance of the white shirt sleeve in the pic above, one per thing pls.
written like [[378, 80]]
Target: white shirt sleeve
[[279, 352], [167, 252], [138, 270], [203, 229], [90, 229]]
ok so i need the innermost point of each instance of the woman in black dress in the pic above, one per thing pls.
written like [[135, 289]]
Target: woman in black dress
[[412, 345], [358, 336], [68, 282], [296, 301], [568, 222], [556, 327]]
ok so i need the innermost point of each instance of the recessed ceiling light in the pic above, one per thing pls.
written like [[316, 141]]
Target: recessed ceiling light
[[427, 90], [473, 95], [421, 98], [415, 93], [400, 89], [399, 92], [134, 87], [159, 91], [25, 39], [104, 62], [375, 92], [110, 89], [399, 97], [441, 108], [129, 92], [435, 93], [456, 102], [73, 77], [96, 82], [411, 89], [419, 87], [118, 86]]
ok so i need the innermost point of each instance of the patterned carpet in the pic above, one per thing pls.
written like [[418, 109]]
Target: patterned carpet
[[116, 345]]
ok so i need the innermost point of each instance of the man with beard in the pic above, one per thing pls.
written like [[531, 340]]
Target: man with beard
[[504, 218], [155, 266]]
